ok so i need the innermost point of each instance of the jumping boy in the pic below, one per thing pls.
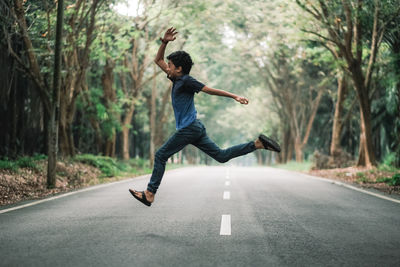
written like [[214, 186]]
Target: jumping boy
[[189, 129]]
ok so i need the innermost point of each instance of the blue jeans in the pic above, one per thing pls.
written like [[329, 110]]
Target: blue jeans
[[196, 135]]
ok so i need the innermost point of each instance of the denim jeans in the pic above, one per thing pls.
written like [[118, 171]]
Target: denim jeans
[[196, 135]]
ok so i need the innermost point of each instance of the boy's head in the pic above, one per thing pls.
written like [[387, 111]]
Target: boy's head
[[181, 59]]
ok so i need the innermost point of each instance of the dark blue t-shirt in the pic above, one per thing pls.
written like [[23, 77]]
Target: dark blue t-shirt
[[182, 95]]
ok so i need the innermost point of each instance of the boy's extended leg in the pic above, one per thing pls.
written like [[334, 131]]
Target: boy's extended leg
[[222, 155]]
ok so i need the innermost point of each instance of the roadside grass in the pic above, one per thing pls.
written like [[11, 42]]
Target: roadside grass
[[22, 162], [25, 178], [384, 177], [295, 166], [109, 167]]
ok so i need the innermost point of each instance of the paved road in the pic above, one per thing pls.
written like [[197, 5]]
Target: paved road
[[277, 218]]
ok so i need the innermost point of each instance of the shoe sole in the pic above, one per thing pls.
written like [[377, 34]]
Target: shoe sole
[[269, 144]]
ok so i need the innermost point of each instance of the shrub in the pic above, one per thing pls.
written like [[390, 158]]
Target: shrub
[[8, 165], [393, 181], [389, 159], [108, 166], [362, 178], [26, 162]]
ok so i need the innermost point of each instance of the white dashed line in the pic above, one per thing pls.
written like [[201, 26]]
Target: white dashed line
[[227, 183], [227, 195], [225, 225]]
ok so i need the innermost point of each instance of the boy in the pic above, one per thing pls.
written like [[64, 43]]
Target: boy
[[189, 129]]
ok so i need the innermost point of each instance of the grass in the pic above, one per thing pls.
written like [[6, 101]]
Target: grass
[[22, 162], [111, 167], [295, 166]]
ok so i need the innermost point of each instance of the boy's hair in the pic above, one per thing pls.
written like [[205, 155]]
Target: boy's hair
[[181, 59]]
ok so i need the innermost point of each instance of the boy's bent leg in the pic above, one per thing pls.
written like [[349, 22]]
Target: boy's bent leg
[[223, 155], [174, 144]]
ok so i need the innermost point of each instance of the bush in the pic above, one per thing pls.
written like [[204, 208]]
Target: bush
[[390, 159], [362, 178], [389, 163], [26, 162], [108, 166], [341, 159], [23, 162], [393, 181], [8, 165]]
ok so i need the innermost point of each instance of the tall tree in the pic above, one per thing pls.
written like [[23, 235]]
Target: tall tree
[[54, 116], [345, 30]]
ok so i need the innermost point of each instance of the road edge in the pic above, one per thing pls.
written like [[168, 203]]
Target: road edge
[[30, 203], [377, 194]]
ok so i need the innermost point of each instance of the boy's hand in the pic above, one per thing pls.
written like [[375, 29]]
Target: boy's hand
[[169, 35], [242, 100]]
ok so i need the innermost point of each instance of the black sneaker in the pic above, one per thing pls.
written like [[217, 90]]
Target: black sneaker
[[269, 144]]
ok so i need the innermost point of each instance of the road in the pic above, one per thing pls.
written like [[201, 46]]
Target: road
[[277, 218]]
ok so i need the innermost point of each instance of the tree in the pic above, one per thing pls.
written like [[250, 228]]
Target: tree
[[345, 30], [53, 123]]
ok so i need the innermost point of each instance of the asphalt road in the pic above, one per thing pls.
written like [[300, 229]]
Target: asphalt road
[[277, 218]]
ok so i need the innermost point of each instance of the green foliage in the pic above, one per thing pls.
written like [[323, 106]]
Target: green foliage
[[26, 162], [8, 165], [395, 179], [108, 166], [362, 178], [389, 163], [390, 159], [392, 181], [111, 167], [225, 39], [22, 162]]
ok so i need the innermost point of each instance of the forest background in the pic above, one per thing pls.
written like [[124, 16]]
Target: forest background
[[323, 78]]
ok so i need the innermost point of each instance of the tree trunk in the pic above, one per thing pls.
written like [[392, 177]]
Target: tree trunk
[[109, 96], [259, 157], [366, 151], [163, 116], [77, 62], [153, 119], [298, 147], [109, 149], [55, 103], [14, 117], [126, 125], [396, 145], [337, 119]]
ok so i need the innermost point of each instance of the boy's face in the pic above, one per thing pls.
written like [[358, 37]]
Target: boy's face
[[173, 71]]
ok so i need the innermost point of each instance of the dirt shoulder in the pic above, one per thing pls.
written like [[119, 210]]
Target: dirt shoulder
[[30, 183], [362, 177]]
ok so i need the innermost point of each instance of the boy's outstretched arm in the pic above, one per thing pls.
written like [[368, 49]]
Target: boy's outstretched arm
[[212, 91], [169, 36]]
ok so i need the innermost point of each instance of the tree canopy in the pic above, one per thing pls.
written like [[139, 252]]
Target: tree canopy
[[320, 75]]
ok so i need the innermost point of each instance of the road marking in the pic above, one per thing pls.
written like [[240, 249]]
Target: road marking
[[227, 195], [225, 225], [227, 183]]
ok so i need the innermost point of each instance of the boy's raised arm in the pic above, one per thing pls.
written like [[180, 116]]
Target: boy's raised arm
[[169, 36], [218, 92]]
